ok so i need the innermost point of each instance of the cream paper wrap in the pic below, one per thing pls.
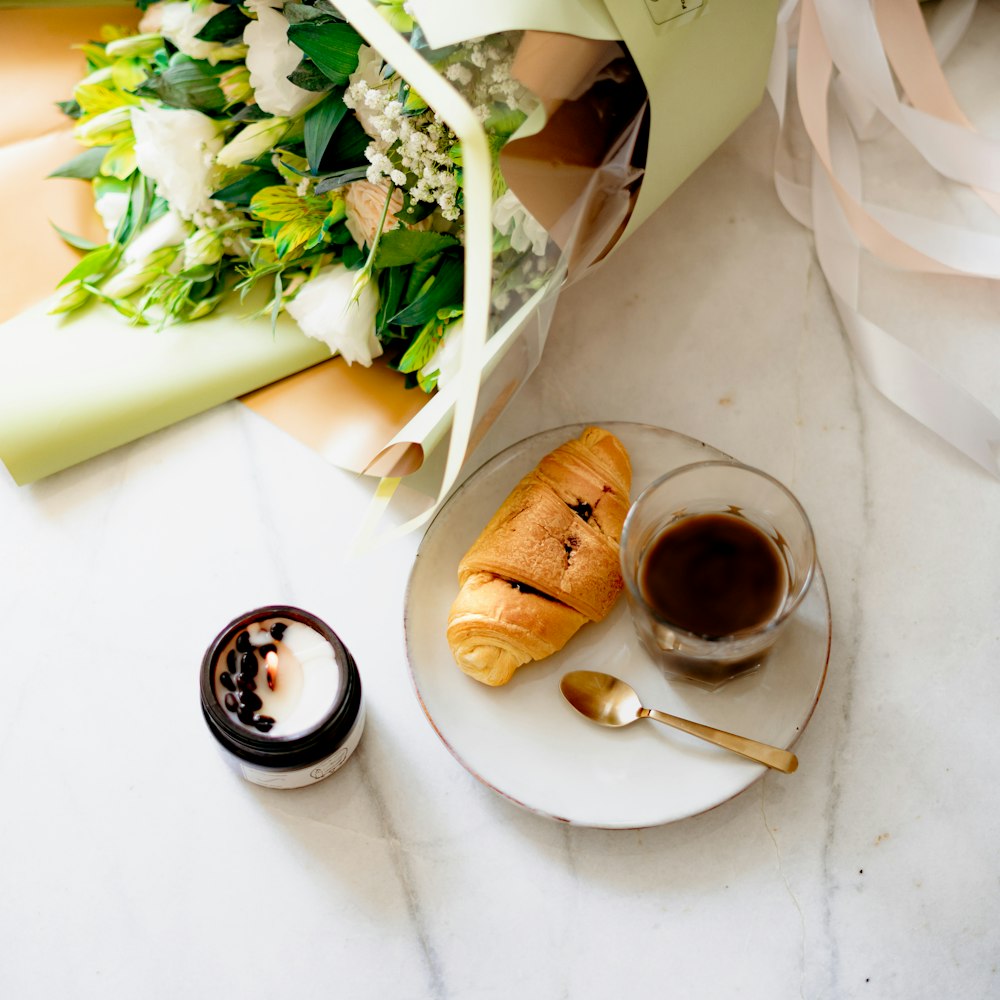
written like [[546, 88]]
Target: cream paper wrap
[[704, 68]]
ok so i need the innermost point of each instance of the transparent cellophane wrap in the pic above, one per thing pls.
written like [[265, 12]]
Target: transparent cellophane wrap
[[629, 102]]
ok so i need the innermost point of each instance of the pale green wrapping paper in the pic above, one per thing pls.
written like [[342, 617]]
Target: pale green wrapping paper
[[73, 389], [704, 69]]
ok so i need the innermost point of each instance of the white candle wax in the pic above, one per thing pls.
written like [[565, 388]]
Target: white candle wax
[[308, 679]]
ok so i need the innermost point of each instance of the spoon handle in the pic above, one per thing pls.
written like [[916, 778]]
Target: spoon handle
[[780, 760]]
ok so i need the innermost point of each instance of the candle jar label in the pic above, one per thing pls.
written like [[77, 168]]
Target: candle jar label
[[301, 777]]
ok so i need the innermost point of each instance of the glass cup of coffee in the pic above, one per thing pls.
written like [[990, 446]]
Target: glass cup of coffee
[[716, 557]]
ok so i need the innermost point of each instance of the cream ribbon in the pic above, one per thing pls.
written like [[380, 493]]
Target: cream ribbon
[[462, 120], [845, 47]]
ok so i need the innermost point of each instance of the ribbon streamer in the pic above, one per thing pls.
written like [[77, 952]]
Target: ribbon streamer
[[841, 52]]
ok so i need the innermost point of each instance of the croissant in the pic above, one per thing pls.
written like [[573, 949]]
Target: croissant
[[546, 563]]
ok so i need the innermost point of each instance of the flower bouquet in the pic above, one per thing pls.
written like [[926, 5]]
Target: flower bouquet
[[280, 182]]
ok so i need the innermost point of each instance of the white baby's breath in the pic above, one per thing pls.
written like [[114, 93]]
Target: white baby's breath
[[365, 80], [270, 58], [176, 148], [331, 309]]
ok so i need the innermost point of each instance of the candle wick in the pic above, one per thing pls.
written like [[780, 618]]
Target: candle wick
[[272, 669]]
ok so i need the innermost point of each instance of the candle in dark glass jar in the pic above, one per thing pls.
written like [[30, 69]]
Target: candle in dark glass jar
[[282, 696]]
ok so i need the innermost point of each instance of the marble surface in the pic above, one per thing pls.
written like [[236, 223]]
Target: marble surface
[[134, 863]]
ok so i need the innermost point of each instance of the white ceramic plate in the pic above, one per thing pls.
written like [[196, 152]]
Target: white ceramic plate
[[525, 742]]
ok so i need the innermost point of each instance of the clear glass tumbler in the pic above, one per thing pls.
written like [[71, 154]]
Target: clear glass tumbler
[[700, 606]]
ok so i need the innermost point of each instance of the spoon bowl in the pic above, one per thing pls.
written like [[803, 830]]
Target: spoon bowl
[[609, 701]]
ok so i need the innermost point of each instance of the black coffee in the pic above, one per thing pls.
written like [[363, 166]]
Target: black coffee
[[713, 575]]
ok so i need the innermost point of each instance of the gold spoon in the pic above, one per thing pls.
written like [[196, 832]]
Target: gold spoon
[[609, 701]]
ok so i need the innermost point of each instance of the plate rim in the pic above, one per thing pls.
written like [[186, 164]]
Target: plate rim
[[819, 577]]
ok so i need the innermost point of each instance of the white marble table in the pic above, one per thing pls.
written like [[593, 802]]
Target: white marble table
[[134, 864]]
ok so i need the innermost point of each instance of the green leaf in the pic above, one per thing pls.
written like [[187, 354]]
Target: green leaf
[[330, 182], [393, 281], [86, 165], [504, 121], [330, 8], [186, 83], [332, 47], [249, 113], [99, 261], [320, 124], [404, 246], [70, 108], [444, 290], [308, 76], [299, 13], [240, 192], [137, 214], [227, 24], [353, 256], [347, 147], [79, 242]]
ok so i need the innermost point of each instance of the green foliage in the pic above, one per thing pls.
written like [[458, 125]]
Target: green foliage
[[321, 123], [225, 26], [333, 47], [85, 166], [404, 246], [442, 290], [77, 242], [240, 191], [185, 83]]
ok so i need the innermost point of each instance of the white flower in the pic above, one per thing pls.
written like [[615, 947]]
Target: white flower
[[447, 358], [180, 22], [167, 231], [326, 309], [176, 148], [111, 208], [270, 59], [258, 137], [512, 219]]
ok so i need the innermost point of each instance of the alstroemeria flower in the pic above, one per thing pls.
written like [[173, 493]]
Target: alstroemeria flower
[[180, 23], [176, 147], [271, 57], [329, 308]]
